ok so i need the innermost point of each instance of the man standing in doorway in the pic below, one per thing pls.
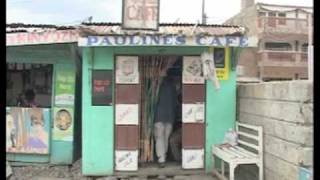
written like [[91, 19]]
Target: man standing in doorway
[[165, 116]]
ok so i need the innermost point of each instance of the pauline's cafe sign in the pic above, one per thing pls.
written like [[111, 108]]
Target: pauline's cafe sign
[[167, 40], [140, 14]]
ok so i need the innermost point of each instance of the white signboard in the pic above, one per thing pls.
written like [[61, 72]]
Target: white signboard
[[192, 113], [192, 69], [127, 114], [192, 158], [168, 40], [127, 160], [140, 14], [127, 70]]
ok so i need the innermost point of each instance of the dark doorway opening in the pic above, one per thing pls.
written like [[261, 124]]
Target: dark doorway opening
[[153, 70]]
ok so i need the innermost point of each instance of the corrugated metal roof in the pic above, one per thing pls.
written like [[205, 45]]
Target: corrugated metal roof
[[164, 28], [104, 28]]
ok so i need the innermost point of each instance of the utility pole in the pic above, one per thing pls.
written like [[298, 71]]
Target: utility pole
[[204, 16], [310, 48]]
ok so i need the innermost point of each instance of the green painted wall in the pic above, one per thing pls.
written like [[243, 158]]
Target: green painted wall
[[60, 151], [98, 122], [220, 113]]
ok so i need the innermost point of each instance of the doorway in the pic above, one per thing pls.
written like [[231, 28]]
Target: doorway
[[155, 70], [137, 94]]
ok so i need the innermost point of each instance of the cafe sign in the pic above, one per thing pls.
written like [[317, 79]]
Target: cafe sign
[[140, 14], [167, 40]]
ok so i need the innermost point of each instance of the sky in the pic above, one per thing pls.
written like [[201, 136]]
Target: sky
[[72, 12]]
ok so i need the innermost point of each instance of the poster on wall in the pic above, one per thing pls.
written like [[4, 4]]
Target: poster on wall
[[127, 70], [65, 87], [102, 87], [27, 130], [63, 124], [192, 70]]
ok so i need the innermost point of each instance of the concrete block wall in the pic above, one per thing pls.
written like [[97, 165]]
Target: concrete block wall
[[285, 110]]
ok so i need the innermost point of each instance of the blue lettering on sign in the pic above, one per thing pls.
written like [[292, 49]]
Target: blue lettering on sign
[[106, 41], [230, 40], [92, 40], [198, 39], [144, 40], [216, 41], [155, 39], [181, 40], [120, 40], [244, 41], [132, 42], [167, 40]]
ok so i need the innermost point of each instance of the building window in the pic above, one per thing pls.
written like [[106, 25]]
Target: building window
[[262, 14], [304, 47], [275, 46], [29, 85], [272, 19], [282, 18]]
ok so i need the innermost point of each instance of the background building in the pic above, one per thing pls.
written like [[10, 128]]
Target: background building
[[282, 33]]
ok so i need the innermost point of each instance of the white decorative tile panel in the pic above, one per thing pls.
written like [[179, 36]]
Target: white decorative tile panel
[[127, 114], [127, 160], [127, 70], [192, 158], [192, 70], [193, 113]]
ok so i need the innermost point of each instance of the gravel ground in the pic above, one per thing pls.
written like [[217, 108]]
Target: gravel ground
[[73, 172]]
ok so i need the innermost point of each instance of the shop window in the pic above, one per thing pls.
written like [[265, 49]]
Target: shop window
[[276, 46], [219, 57], [29, 85], [282, 18]]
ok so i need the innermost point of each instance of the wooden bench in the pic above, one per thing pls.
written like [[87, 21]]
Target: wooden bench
[[237, 155]]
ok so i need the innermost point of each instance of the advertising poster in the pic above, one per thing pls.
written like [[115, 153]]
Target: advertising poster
[[102, 87], [65, 87], [63, 124], [27, 130]]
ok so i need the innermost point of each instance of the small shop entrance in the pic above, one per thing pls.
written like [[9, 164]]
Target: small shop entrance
[[160, 114], [141, 105]]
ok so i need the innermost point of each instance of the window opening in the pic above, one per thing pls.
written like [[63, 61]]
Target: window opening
[[277, 46], [29, 85]]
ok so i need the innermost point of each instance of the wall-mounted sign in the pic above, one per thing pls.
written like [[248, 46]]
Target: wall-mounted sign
[[168, 40], [192, 70], [27, 130], [140, 14], [219, 57], [63, 124], [102, 87], [127, 70], [65, 87], [127, 113]]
